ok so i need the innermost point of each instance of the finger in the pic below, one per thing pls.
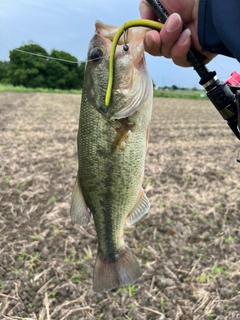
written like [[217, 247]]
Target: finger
[[170, 33], [152, 43], [158, 44], [146, 12], [181, 48]]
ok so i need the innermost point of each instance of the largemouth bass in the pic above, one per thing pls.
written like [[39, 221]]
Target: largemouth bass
[[112, 143]]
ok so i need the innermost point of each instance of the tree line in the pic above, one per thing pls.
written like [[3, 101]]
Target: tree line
[[33, 71]]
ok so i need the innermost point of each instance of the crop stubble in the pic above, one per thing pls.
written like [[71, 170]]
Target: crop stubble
[[188, 245]]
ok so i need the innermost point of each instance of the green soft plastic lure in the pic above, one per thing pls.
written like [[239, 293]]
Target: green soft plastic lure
[[129, 24]]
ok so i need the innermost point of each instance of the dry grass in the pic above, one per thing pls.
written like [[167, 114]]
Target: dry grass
[[188, 246]]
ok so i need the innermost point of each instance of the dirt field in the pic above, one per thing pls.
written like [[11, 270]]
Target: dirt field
[[188, 246]]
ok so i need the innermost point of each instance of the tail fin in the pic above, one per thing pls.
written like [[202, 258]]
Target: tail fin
[[109, 275]]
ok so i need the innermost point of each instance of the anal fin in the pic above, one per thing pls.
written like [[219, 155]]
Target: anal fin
[[79, 211], [140, 209]]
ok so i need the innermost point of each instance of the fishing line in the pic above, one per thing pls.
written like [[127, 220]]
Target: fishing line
[[52, 58], [125, 48], [125, 39], [40, 55]]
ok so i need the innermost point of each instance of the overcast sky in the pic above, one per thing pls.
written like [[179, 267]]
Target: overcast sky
[[68, 25]]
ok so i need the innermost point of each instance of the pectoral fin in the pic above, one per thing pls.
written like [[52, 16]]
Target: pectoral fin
[[79, 211], [141, 208]]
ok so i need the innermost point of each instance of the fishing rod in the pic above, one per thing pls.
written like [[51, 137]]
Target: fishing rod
[[224, 96]]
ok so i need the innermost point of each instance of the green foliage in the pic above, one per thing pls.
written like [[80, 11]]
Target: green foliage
[[53, 199], [28, 70], [60, 74], [130, 290], [211, 315], [34, 71], [180, 94], [174, 87], [53, 294], [11, 88], [3, 71]]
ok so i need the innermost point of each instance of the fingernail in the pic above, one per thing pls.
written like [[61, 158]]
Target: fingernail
[[186, 34], [173, 22]]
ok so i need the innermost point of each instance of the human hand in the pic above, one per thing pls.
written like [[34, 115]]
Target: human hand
[[171, 42]]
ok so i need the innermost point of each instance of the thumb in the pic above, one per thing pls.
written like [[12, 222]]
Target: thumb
[[146, 11]]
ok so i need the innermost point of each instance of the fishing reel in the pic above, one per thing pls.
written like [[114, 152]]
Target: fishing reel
[[225, 96]]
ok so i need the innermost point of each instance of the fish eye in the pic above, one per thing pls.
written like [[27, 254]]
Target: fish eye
[[96, 54]]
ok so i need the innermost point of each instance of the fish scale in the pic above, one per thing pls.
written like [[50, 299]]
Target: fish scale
[[103, 173], [111, 154]]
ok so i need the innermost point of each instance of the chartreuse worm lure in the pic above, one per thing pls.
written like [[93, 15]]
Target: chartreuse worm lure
[[129, 24]]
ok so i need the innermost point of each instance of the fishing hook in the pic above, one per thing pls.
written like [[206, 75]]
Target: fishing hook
[[125, 35]]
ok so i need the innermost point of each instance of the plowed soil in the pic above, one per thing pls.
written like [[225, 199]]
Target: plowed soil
[[188, 246]]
